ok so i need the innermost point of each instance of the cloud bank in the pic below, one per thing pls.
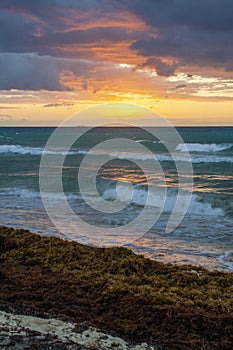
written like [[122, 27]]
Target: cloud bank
[[43, 42]]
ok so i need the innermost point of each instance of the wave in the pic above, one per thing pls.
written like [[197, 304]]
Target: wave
[[212, 159], [198, 147], [226, 260], [161, 157], [20, 149], [20, 192], [149, 141], [26, 193], [206, 205], [200, 205], [141, 141], [36, 151], [140, 198]]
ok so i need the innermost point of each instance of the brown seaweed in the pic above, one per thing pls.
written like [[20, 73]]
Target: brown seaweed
[[183, 307]]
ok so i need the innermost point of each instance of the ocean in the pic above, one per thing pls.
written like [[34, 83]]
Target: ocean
[[204, 236]]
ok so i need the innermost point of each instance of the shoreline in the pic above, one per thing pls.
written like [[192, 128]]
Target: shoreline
[[223, 263], [114, 290]]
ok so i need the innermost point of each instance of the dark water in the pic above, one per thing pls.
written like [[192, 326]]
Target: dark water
[[205, 236]]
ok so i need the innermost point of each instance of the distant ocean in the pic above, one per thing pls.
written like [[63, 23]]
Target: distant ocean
[[205, 236]]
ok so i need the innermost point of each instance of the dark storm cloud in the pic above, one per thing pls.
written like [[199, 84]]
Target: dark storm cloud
[[91, 35], [43, 27], [16, 32], [191, 32], [163, 68], [203, 14], [33, 72], [38, 5], [28, 72], [187, 47], [40, 33]]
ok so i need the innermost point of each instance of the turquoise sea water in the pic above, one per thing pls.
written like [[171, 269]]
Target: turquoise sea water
[[205, 236]]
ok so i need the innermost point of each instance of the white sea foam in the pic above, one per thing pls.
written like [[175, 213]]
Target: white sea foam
[[212, 159], [140, 198], [150, 141], [198, 147], [226, 260], [141, 141], [28, 150], [32, 194], [20, 192], [162, 157], [20, 149]]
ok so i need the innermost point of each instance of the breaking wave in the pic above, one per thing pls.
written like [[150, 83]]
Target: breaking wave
[[198, 147], [36, 151], [162, 157]]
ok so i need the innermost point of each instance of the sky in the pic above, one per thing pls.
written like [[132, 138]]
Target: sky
[[58, 57]]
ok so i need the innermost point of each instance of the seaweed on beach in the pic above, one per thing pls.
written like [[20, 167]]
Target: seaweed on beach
[[115, 290]]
